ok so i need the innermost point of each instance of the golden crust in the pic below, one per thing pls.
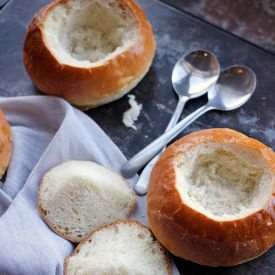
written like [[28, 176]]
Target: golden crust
[[145, 228], [192, 235], [5, 144], [43, 212], [94, 86]]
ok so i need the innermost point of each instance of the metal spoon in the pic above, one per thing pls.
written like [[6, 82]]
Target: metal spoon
[[192, 75], [233, 89]]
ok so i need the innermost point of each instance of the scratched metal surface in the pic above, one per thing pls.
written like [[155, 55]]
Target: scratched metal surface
[[176, 33]]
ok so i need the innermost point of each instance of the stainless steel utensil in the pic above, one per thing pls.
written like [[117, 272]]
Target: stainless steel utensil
[[192, 75], [233, 89]]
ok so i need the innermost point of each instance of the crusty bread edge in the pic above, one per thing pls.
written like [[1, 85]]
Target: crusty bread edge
[[168, 226], [116, 95], [52, 76], [43, 212], [133, 222], [6, 144]]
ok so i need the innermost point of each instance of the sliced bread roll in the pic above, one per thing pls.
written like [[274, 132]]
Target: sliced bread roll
[[124, 247], [76, 197]]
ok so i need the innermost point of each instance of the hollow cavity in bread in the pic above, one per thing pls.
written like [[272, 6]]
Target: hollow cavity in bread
[[223, 181], [89, 32]]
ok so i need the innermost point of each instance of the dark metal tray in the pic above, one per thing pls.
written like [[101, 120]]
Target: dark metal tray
[[176, 33]]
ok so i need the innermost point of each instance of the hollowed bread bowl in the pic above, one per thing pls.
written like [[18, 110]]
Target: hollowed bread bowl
[[89, 52], [211, 198]]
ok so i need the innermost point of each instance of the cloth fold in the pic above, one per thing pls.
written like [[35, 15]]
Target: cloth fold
[[46, 131]]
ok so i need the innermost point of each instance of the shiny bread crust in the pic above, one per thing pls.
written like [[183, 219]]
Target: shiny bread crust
[[5, 144], [192, 235], [88, 87]]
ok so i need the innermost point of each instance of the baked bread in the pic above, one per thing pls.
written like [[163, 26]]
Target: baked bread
[[76, 197], [5, 144], [124, 247], [89, 52], [211, 198]]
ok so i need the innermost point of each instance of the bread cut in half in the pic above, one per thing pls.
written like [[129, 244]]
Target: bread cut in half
[[211, 198], [124, 247], [77, 197], [5, 144], [89, 52]]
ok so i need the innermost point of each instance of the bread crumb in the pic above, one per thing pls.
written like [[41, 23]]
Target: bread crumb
[[132, 114]]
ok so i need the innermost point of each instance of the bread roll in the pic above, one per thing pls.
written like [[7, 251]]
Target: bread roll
[[211, 198], [89, 52], [124, 247], [5, 144], [76, 197]]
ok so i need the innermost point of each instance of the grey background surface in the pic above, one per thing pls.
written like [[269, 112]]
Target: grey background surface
[[176, 33]]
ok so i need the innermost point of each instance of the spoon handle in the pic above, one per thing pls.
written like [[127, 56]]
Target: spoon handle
[[143, 180], [176, 115], [146, 154], [142, 183]]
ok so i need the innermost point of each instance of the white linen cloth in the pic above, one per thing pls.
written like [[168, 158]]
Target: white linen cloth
[[46, 132]]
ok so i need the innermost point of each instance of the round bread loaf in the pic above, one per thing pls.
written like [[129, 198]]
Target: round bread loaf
[[89, 52], [5, 144], [77, 197], [124, 247], [211, 198]]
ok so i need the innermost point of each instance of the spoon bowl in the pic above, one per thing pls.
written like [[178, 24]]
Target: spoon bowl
[[234, 88], [194, 73]]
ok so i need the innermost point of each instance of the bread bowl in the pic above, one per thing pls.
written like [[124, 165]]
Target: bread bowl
[[89, 52], [77, 197], [211, 198], [123, 247], [5, 144]]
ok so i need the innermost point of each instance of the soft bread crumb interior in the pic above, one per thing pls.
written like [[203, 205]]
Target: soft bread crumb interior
[[121, 249], [80, 196], [89, 32], [132, 114], [223, 181]]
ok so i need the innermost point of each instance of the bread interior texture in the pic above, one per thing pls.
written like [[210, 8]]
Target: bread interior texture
[[119, 250], [89, 32], [80, 196], [223, 182]]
